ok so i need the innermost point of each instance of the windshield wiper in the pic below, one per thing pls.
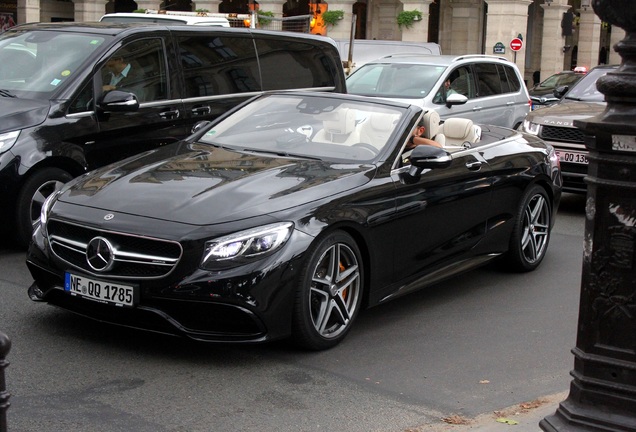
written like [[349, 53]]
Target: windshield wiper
[[282, 153], [6, 93]]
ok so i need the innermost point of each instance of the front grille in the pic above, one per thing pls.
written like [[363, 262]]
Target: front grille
[[565, 134], [134, 256]]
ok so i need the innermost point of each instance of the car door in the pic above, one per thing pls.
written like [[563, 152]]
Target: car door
[[441, 215], [158, 120], [219, 70]]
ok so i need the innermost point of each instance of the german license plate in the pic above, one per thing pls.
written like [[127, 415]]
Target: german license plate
[[572, 157], [100, 291]]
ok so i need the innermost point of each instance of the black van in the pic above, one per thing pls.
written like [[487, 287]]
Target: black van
[[77, 96]]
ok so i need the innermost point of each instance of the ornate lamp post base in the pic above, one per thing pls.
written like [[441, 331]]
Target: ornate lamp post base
[[603, 392]]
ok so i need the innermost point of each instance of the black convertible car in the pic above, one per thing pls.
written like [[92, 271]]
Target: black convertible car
[[288, 216]]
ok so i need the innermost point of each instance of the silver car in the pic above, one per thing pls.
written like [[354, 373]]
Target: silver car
[[485, 89], [555, 125]]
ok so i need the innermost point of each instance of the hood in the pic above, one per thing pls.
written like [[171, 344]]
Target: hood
[[565, 112], [18, 113], [201, 185]]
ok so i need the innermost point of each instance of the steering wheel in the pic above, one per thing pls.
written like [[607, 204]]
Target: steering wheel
[[368, 147]]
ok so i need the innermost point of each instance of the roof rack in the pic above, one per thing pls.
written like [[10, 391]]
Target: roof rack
[[198, 14], [469, 56]]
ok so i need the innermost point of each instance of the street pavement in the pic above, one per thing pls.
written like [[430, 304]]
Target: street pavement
[[523, 417]]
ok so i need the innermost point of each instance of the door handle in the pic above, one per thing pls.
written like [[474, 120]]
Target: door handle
[[201, 110], [473, 166], [477, 108], [170, 115]]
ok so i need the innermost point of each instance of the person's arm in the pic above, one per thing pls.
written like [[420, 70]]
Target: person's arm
[[421, 140]]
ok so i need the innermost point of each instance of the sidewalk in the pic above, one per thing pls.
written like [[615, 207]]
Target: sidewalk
[[518, 418]]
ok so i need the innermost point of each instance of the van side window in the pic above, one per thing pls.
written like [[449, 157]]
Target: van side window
[[489, 83], [462, 82], [513, 79], [140, 68], [287, 64], [217, 65]]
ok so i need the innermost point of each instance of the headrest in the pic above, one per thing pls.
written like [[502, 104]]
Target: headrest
[[382, 122], [459, 128], [431, 123], [340, 122]]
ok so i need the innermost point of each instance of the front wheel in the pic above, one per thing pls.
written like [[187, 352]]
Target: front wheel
[[31, 197], [531, 232], [329, 293]]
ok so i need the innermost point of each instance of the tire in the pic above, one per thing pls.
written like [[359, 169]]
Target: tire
[[31, 197], [324, 311], [531, 232]]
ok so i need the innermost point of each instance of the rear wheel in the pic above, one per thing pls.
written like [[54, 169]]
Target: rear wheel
[[31, 197], [329, 294], [531, 232]]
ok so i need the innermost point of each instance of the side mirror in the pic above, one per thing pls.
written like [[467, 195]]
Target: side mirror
[[428, 157], [560, 91], [455, 99], [199, 126], [119, 101]]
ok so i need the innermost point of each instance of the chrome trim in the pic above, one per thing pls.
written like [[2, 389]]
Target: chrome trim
[[120, 256]]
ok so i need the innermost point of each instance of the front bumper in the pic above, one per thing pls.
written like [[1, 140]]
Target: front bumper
[[243, 304]]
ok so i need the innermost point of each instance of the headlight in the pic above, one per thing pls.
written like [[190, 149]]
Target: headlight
[[251, 243], [531, 128], [7, 140]]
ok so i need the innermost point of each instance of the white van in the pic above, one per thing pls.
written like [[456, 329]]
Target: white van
[[172, 18], [366, 50]]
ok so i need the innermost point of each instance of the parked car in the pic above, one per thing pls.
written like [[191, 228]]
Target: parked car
[[59, 116], [286, 217], [186, 18], [485, 89], [544, 93], [555, 125]]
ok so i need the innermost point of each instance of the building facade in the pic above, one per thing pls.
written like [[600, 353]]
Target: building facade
[[554, 35]]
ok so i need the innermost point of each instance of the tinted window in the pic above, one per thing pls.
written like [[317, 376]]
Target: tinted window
[[217, 65], [287, 64], [488, 80], [513, 79], [138, 67], [84, 99], [505, 84]]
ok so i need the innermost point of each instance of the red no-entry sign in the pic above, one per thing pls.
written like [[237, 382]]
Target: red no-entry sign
[[516, 44]]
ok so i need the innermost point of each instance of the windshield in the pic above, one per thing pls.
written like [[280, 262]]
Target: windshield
[[585, 89], [396, 80], [36, 63], [557, 80], [311, 127]]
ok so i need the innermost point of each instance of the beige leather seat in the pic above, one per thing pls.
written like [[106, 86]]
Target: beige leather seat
[[377, 128], [339, 127], [459, 132], [431, 123]]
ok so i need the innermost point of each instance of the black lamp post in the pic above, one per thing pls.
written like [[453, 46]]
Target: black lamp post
[[603, 392]]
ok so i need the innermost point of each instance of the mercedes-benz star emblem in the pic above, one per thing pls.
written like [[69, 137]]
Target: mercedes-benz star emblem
[[100, 254]]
